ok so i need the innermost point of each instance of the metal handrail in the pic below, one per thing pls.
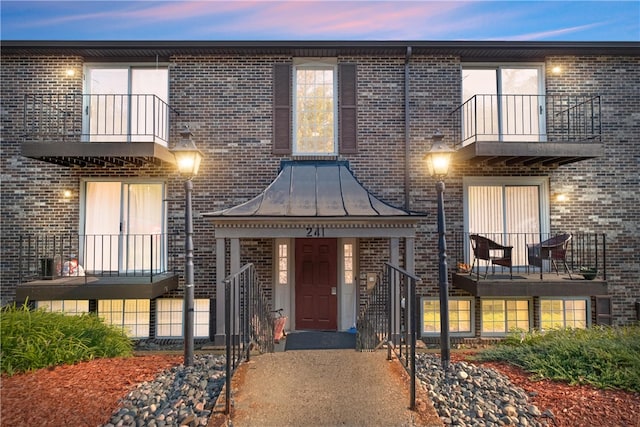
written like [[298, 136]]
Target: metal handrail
[[391, 317], [96, 118], [248, 322], [528, 118]]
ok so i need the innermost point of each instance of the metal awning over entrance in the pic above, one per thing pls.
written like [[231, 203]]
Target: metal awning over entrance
[[314, 189], [315, 199]]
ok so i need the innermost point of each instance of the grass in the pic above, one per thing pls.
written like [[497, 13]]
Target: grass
[[604, 357], [34, 339]]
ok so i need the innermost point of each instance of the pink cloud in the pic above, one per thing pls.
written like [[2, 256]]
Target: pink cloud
[[343, 18]]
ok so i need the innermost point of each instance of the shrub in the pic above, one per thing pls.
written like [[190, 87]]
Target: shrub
[[604, 357], [34, 339]]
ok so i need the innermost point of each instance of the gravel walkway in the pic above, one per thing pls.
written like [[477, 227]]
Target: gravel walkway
[[325, 388]]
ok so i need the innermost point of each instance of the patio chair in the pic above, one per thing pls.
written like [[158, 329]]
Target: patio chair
[[553, 249], [484, 249]]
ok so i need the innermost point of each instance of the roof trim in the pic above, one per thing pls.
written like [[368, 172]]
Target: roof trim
[[478, 49]]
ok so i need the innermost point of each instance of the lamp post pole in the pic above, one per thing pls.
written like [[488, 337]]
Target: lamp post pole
[[188, 275], [443, 281], [188, 159], [438, 160]]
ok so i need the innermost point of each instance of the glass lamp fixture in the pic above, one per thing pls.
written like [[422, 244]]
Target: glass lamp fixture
[[438, 157], [188, 157]]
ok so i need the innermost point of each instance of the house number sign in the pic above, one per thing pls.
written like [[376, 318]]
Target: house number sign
[[315, 231]]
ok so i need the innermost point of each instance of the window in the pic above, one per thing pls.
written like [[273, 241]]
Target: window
[[501, 316], [64, 306], [314, 111], [503, 102], [512, 211], [349, 272], [283, 264], [170, 316], [126, 103], [564, 313], [131, 314], [460, 316], [124, 227]]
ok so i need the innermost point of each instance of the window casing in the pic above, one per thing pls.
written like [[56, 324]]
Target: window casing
[[126, 103], [315, 109], [283, 263], [170, 317], [461, 318], [348, 263], [64, 306], [124, 226], [512, 211], [501, 316], [132, 315], [505, 101], [322, 121], [564, 313]]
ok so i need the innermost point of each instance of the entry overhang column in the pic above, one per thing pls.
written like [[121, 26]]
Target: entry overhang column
[[221, 251]]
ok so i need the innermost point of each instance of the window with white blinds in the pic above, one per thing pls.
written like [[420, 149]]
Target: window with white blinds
[[510, 211]]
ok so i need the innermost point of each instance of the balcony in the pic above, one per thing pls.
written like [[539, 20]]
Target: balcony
[[58, 267], [102, 130], [547, 130], [527, 264]]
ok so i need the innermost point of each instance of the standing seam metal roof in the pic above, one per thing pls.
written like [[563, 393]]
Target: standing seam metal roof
[[315, 189]]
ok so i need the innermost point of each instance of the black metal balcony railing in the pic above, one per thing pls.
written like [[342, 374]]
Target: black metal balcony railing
[[523, 118], [96, 118], [49, 256], [538, 254]]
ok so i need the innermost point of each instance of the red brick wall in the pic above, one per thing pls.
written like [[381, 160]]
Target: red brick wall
[[226, 101]]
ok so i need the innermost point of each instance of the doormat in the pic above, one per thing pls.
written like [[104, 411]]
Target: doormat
[[320, 340]]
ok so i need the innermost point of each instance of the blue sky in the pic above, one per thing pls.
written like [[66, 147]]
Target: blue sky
[[321, 20]]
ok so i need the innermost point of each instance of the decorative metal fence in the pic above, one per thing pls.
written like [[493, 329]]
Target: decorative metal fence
[[49, 256], [96, 117], [391, 316], [534, 118], [532, 253]]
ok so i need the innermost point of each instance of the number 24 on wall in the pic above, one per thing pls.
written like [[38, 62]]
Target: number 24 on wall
[[315, 231]]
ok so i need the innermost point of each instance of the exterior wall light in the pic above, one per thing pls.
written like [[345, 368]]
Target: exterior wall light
[[188, 159]]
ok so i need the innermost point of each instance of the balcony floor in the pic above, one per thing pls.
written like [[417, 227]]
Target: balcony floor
[[97, 287], [529, 153], [529, 284]]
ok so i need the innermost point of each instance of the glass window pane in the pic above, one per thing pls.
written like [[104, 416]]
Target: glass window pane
[[201, 318], [431, 316], [314, 110]]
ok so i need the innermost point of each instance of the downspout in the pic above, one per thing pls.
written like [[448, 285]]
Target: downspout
[[407, 136]]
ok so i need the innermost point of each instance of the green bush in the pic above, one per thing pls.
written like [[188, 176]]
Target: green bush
[[34, 339], [604, 357]]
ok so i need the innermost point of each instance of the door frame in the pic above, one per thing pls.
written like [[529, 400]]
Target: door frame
[[284, 293]]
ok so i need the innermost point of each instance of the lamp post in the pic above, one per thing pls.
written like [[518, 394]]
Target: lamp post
[[438, 159], [188, 159]]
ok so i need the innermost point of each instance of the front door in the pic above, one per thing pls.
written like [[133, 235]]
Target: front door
[[316, 284]]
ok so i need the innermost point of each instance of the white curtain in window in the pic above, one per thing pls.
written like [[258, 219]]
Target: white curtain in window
[[102, 226], [144, 227], [509, 215]]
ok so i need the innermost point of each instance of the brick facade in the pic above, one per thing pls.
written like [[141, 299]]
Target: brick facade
[[226, 99]]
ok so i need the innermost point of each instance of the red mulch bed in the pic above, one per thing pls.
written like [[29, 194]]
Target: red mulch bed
[[87, 393]]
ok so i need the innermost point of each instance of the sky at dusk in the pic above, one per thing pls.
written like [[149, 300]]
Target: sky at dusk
[[321, 20]]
